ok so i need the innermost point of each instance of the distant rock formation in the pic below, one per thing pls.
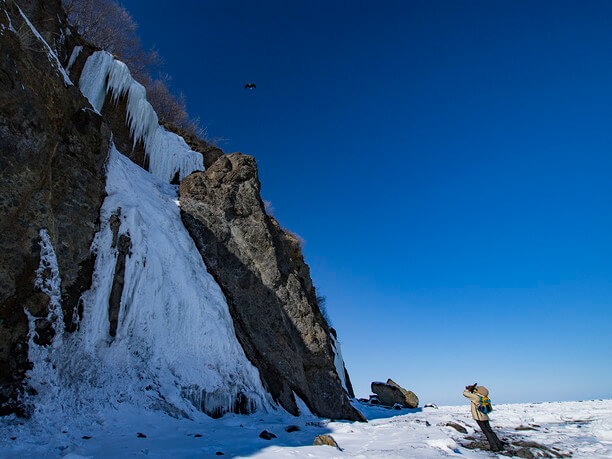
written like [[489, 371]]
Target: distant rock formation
[[262, 272], [391, 393]]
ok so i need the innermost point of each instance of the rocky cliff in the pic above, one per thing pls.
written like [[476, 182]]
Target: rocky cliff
[[267, 284], [88, 239], [52, 153]]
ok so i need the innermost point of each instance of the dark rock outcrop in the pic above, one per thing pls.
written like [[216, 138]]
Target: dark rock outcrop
[[390, 393], [52, 154], [262, 272]]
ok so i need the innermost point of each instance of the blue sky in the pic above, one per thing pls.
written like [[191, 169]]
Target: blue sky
[[448, 164]]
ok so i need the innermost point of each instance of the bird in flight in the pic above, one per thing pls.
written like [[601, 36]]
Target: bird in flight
[[250, 86]]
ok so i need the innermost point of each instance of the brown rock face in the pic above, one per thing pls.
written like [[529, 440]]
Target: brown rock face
[[325, 440], [52, 154], [267, 284], [390, 393]]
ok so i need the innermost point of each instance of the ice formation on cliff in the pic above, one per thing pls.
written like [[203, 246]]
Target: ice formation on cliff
[[175, 347], [167, 152]]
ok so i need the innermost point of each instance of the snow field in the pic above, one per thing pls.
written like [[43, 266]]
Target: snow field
[[388, 434]]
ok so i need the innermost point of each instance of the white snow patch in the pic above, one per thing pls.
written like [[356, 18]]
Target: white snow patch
[[339, 361], [167, 152], [75, 53], [50, 53]]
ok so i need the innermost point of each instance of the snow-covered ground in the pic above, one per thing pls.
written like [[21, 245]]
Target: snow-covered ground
[[582, 429]]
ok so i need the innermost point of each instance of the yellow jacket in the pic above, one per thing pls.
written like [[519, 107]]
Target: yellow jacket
[[475, 399]]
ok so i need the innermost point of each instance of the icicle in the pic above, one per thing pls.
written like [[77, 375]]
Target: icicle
[[167, 152], [75, 53]]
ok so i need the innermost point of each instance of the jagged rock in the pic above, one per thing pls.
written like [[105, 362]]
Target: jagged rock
[[390, 393], [325, 439], [374, 400], [267, 435], [52, 154], [457, 427], [262, 272]]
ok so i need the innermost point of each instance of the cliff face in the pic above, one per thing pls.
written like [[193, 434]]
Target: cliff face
[[88, 240], [267, 284], [52, 153]]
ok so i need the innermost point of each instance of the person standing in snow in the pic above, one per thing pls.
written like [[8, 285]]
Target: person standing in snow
[[475, 394]]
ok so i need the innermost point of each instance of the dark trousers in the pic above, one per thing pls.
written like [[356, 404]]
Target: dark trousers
[[494, 442]]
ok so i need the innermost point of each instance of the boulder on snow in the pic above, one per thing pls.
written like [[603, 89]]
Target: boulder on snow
[[390, 393], [292, 428], [325, 440], [374, 400]]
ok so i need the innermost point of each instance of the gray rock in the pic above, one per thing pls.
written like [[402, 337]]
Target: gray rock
[[262, 272], [390, 393], [327, 440]]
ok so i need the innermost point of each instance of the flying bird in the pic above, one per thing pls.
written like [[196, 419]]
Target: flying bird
[[250, 86]]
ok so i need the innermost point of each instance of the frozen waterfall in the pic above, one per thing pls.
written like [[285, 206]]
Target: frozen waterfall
[[167, 152]]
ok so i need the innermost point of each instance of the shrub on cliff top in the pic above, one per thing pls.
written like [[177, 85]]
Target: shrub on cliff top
[[110, 26]]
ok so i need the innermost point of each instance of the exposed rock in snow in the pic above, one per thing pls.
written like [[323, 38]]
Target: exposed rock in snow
[[73, 57], [167, 153], [327, 440]]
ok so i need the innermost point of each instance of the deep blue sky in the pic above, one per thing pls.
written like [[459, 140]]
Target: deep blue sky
[[448, 164]]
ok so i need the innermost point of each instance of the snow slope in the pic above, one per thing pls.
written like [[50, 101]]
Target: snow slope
[[583, 429]]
